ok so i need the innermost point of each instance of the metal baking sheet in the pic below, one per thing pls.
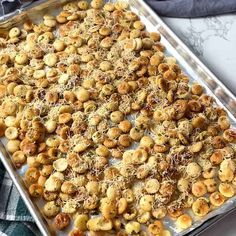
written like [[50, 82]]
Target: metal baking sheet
[[190, 64]]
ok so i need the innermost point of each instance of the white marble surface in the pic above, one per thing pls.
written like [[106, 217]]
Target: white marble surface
[[213, 40]]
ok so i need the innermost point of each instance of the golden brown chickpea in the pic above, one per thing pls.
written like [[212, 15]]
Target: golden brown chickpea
[[102, 151], [2, 128], [50, 209], [36, 190], [199, 189], [76, 232], [136, 134], [217, 199], [155, 228], [230, 135], [62, 221], [32, 174], [13, 145], [123, 88], [169, 75], [19, 158], [125, 140], [114, 133], [156, 37], [197, 89], [216, 158], [125, 126], [117, 116]]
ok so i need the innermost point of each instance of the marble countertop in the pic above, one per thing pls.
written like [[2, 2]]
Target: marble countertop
[[213, 40]]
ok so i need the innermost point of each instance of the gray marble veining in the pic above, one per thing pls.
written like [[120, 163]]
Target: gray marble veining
[[213, 40]]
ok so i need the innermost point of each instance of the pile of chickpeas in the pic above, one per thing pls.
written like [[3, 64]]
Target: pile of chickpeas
[[114, 137]]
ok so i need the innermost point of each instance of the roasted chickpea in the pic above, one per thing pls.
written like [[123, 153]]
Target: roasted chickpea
[[217, 199], [184, 221], [197, 89], [62, 221], [81, 221], [50, 209], [199, 189], [36, 190], [117, 117]]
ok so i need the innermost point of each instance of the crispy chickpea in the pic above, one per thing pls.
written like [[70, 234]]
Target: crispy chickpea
[[140, 156], [9, 107], [96, 4], [105, 65], [18, 158], [64, 118], [50, 209], [21, 58], [117, 117], [146, 141], [109, 6], [62, 221], [53, 184], [160, 212], [136, 133], [51, 96], [123, 88], [152, 186], [102, 151], [200, 207], [125, 140], [125, 126], [132, 227], [227, 164], [122, 205], [156, 37], [230, 135], [193, 170], [14, 32], [68, 187], [224, 122], [82, 94], [81, 221], [183, 185], [114, 133], [209, 173], [36, 190], [42, 180], [92, 187], [210, 185], [11, 133], [146, 202], [199, 189], [60, 164], [196, 147], [226, 190], [197, 89], [108, 208], [184, 221], [155, 228], [13, 145], [217, 199], [32, 174], [106, 42], [59, 45], [216, 158], [226, 175], [50, 59]]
